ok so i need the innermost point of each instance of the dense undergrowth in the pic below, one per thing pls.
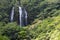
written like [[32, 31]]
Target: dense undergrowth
[[43, 20], [48, 29]]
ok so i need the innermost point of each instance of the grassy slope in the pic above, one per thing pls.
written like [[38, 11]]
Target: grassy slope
[[47, 29]]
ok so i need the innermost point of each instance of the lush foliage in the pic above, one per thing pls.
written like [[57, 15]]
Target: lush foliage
[[43, 16], [48, 29]]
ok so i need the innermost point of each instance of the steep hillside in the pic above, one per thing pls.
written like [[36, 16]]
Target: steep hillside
[[43, 20], [36, 9], [48, 29]]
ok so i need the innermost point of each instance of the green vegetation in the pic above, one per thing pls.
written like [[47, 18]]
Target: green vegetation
[[43, 24]]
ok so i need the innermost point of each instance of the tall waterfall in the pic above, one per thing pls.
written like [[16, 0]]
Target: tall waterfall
[[25, 17], [22, 16], [12, 14]]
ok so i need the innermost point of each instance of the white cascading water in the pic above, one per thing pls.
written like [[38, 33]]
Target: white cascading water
[[12, 14], [20, 16], [25, 16]]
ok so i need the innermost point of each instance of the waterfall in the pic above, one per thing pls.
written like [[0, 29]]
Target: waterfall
[[20, 15], [25, 17], [12, 14]]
